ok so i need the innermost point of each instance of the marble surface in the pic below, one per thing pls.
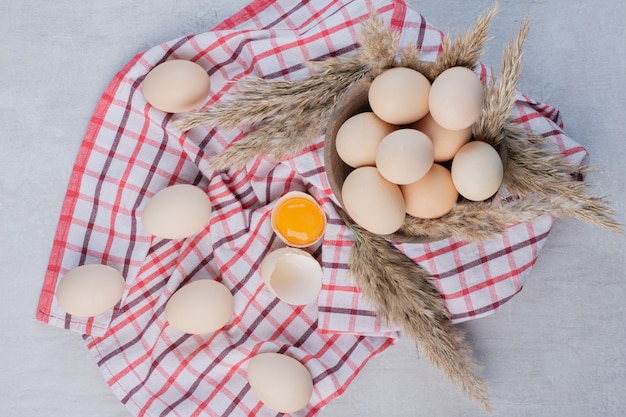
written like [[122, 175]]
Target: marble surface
[[555, 350]]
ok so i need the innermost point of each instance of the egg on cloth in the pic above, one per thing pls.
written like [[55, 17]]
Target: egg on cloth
[[202, 306], [404, 156], [456, 98], [373, 202], [477, 171], [176, 86], [281, 382], [177, 212], [358, 138], [292, 275], [399, 95], [89, 290]]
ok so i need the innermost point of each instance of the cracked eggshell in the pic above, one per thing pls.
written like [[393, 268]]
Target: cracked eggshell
[[177, 212], [281, 382], [202, 306], [292, 275], [298, 220], [89, 290]]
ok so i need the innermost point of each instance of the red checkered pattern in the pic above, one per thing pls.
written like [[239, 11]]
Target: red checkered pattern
[[130, 152]]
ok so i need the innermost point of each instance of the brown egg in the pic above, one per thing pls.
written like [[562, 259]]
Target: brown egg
[[358, 138], [432, 196], [399, 96], [373, 202], [477, 171], [176, 86], [456, 98], [446, 143], [404, 156]]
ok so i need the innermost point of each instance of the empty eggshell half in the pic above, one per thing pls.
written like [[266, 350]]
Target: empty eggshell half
[[176, 86], [176, 212], [292, 275], [281, 382], [89, 290], [202, 306]]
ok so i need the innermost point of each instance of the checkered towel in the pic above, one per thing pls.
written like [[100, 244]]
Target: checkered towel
[[130, 152]]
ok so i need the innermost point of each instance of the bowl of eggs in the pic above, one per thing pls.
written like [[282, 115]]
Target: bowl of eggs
[[401, 146]]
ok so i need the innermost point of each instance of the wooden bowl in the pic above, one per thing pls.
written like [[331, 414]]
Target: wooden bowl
[[352, 102]]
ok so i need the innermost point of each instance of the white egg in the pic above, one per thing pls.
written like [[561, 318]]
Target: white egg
[[404, 156], [431, 196], [456, 98], [292, 275], [358, 138], [373, 202], [202, 306], [89, 290], [399, 95], [477, 171], [176, 86], [176, 212], [281, 382]]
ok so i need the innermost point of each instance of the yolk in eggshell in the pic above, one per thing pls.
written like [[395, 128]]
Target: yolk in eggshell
[[299, 221]]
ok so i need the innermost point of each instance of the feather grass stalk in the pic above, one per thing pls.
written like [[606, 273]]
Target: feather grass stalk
[[287, 116], [500, 95], [404, 294], [541, 175], [465, 49]]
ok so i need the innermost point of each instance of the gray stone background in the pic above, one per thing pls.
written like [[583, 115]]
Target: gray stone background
[[557, 349]]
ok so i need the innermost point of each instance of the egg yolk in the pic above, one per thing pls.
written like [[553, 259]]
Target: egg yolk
[[299, 221]]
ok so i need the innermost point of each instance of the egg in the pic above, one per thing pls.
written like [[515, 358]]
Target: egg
[[292, 275], [90, 290], [373, 202], [358, 137], [477, 171], [202, 306], [446, 143], [176, 86], [431, 196], [176, 212], [281, 382], [456, 98], [404, 156], [399, 95], [298, 219]]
